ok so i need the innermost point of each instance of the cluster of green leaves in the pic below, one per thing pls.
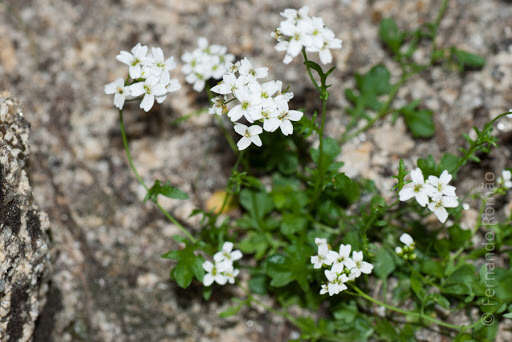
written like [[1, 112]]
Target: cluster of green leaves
[[373, 92], [291, 193]]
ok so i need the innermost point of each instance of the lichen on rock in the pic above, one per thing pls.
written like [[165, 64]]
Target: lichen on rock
[[24, 254]]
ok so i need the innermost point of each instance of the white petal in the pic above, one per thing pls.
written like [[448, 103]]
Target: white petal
[[243, 143], [137, 89], [221, 279], [119, 101], [227, 246], [255, 130], [406, 239], [135, 71], [235, 113], [236, 255], [110, 88], [125, 57], [256, 140], [450, 202], [422, 198], [270, 125], [445, 177], [294, 115], [325, 56], [207, 279], [406, 193], [240, 128], [441, 214], [286, 127], [208, 266], [417, 176], [147, 102], [294, 48], [357, 255]]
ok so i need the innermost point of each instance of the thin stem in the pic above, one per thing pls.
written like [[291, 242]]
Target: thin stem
[[141, 181], [322, 89], [228, 192], [321, 170], [309, 70], [419, 315]]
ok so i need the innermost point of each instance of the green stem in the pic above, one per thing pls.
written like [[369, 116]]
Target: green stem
[[141, 181], [322, 89], [309, 70], [228, 195], [477, 144], [421, 316]]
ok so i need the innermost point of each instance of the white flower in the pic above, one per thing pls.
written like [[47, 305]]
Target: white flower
[[151, 88], [360, 265], [160, 66], [250, 103], [231, 274], [417, 189], [299, 30], [343, 257], [207, 61], [214, 273], [117, 87], [228, 85], [286, 116], [324, 257], [406, 239], [439, 203], [134, 60], [245, 68], [506, 179], [330, 42], [440, 184], [465, 206], [249, 135], [399, 250], [227, 254]]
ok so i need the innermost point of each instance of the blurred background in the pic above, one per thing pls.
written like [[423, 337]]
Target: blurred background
[[107, 281]]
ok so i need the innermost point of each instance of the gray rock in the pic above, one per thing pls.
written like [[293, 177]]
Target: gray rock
[[24, 255]]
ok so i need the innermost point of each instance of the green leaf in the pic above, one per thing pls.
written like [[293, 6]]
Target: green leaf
[[384, 263], [508, 315], [258, 204], [402, 173], [254, 243], [467, 60], [166, 190], [188, 265], [419, 121], [346, 188], [449, 162], [390, 35], [258, 284], [417, 287], [292, 224], [231, 311], [288, 163]]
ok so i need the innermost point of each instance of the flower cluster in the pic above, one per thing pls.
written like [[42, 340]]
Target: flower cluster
[[149, 76], [299, 30], [222, 271], [406, 252], [207, 61], [434, 193], [506, 179], [256, 102], [343, 268]]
